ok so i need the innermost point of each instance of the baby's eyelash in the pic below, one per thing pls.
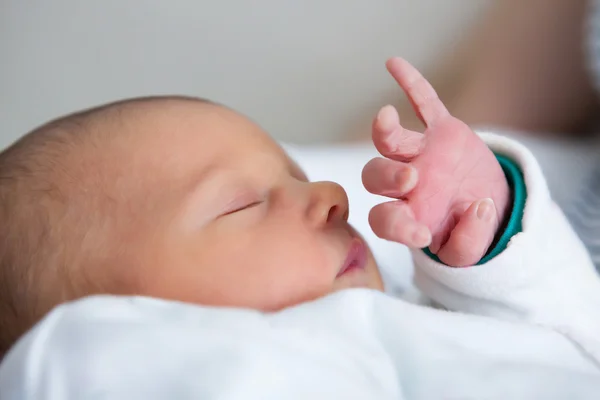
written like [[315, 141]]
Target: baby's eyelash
[[243, 207]]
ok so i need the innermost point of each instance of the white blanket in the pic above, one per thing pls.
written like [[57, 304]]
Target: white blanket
[[352, 345], [526, 325]]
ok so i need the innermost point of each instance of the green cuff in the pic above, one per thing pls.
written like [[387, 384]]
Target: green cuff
[[516, 182]]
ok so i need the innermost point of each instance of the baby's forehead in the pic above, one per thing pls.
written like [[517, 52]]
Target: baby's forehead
[[176, 127], [169, 142], [191, 138]]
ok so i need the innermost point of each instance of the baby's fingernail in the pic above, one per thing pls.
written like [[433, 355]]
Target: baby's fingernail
[[405, 177], [421, 237], [387, 118], [486, 210]]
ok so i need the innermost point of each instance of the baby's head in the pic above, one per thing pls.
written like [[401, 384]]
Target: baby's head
[[175, 198]]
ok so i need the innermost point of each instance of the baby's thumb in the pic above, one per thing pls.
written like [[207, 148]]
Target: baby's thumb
[[472, 236]]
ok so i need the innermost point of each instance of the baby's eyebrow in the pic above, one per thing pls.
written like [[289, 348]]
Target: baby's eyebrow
[[201, 184], [198, 179], [204, 200]]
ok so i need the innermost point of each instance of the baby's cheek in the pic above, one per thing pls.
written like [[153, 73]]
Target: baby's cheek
[[303, 276], [303, 265], [297, 262]]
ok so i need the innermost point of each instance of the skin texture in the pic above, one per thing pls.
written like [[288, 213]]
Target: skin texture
[[168, 197], [223, 217], [449, 191]]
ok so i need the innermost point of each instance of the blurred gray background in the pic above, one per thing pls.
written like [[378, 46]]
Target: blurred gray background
[[306, 70]]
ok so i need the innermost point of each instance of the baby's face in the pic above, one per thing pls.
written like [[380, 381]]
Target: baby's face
[[226, 218]]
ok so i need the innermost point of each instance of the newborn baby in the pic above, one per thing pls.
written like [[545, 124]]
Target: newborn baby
[[183, 199], [168, 197]]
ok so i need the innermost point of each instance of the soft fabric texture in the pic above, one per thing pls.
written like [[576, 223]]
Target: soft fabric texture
[[352, 345], [524, 325]]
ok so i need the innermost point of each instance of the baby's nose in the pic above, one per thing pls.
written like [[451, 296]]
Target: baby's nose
[[328, 203]]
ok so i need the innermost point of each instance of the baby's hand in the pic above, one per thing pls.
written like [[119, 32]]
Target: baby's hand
[[451, 193]]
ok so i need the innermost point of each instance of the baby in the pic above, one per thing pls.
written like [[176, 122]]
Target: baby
[[183, 199]]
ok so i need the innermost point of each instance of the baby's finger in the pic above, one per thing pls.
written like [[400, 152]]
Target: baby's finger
[[472, 236], [389, 178], [395, 221], [421, 94], [391, 139]]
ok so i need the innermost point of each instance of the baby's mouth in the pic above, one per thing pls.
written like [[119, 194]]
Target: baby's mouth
[[356, 259]]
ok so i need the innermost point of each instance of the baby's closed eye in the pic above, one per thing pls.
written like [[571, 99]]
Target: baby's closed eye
[[241, 201], [237, 208]]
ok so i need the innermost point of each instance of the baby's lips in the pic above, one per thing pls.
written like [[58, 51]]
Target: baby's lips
[[356, 257]]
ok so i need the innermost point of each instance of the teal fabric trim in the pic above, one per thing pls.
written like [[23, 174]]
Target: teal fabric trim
[[516, 182]]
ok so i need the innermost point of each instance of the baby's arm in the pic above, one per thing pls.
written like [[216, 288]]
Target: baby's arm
[[543, 275]]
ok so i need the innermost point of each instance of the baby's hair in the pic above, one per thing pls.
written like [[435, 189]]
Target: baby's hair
[[50, 211]]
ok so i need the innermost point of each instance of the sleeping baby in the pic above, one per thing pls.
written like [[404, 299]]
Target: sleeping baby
[[182, 199]]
